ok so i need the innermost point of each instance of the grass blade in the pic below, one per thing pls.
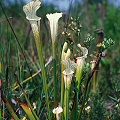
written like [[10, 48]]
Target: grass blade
[[27, 110], [28, 102], [9, 107]]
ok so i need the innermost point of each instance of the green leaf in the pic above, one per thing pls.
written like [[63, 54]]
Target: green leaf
[[9, 107], [27, 111]]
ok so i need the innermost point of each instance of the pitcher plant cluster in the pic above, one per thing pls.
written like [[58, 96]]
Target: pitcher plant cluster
[[72, 66], [69, 68]]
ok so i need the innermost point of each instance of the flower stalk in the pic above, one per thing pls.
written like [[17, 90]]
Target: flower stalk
[[66, 53], [67, 81], [53, 19], [80, 64], [30, 11], [54, 70], [68, 73], [94, 76]]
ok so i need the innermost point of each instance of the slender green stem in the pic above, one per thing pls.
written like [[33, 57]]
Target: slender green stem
[[78, 81], [74, 114], [55, 81], [62, 89], [54, 49], [64, 51], [66, 97], [42, 65], [78, 77], [62, 86], [44, 76], [66, 103], [0, 113], [89, 116], [54, 70]]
